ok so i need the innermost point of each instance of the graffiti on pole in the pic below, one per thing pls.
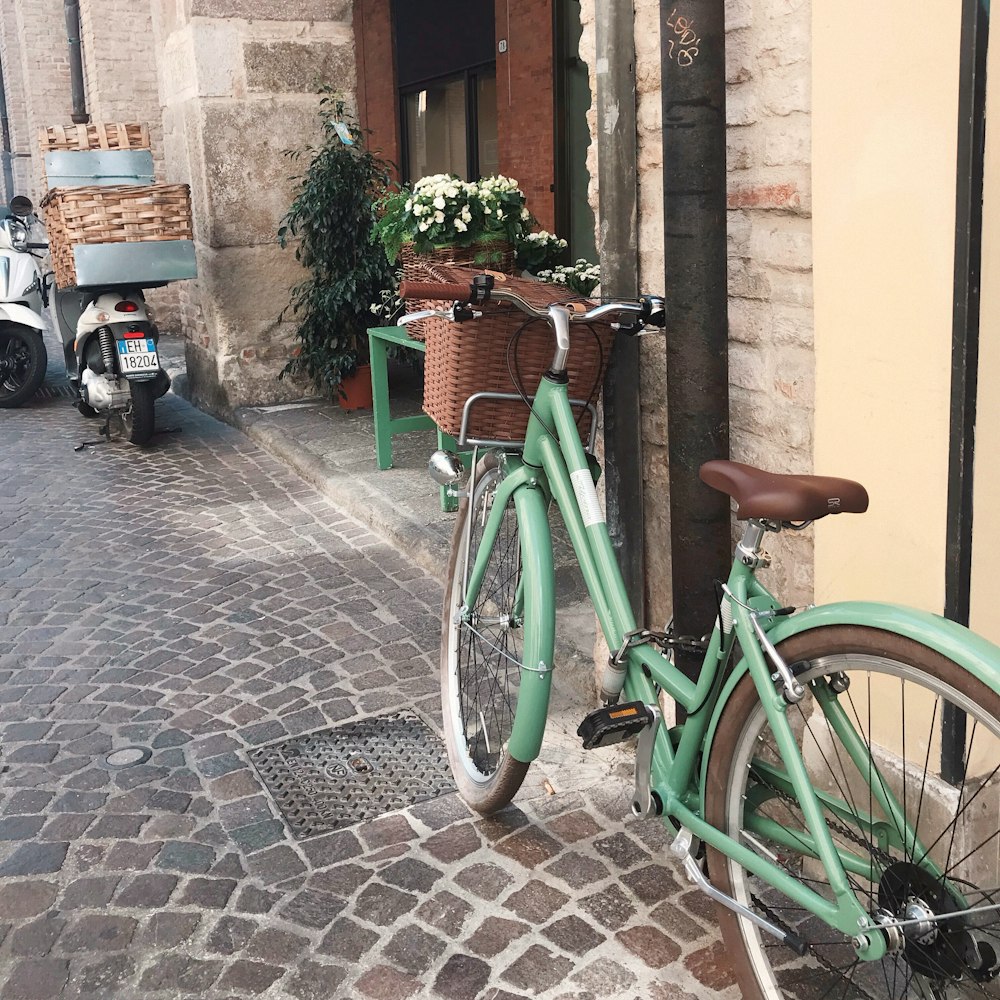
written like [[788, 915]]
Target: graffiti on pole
[[683, 47]]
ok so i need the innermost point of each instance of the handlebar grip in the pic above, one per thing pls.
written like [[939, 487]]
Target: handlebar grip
[[434, 290], [38, 246]]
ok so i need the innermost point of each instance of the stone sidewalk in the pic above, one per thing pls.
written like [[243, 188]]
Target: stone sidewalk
[[198, 601]]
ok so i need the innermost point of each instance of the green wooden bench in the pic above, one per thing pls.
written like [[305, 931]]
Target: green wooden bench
[[386, 425]]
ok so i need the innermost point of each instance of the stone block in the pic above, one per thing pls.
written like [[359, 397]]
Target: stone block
[[248, 189], [296, 67], [274, 10]]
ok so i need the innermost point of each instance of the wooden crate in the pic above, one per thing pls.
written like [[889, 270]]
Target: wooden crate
[[101, 135]]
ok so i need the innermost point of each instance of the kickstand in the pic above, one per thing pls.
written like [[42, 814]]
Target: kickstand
[[105, 431]]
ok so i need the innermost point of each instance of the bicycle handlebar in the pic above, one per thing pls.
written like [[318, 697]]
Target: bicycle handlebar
[[647, 311], [433, 290]]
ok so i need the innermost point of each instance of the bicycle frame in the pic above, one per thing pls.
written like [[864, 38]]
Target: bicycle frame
[[556, 468]]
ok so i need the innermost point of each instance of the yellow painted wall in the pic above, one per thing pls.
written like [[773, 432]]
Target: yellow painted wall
[[985, 609], [885, 100]]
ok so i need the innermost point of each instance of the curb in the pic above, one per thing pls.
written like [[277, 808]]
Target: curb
[[407, 535]]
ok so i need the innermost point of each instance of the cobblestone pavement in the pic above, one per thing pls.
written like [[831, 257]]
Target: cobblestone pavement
[[199, 600]]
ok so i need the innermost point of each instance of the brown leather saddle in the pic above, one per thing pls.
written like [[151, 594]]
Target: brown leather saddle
[[775, 497]]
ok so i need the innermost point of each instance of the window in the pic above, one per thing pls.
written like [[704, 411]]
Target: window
[[446, 74], [450, 127]]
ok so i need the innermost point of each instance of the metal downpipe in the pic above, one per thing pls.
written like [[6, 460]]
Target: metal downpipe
[[79, 113], [693, 63]]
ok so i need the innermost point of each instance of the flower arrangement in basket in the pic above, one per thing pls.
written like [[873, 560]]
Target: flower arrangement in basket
[[443, 212], [581, 277], [538, 251]]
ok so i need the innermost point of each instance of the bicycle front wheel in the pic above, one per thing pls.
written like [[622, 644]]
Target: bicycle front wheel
[[895, 694], [481, 651]]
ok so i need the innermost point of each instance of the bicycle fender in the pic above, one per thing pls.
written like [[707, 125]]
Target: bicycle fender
[[977, 655], [539, 624]]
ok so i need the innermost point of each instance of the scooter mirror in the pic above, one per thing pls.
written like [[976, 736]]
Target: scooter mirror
[[21, 206]]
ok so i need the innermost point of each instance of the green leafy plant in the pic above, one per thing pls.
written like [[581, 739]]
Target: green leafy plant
[[443, 210], [581, 277], [331, 222], [538, 251]]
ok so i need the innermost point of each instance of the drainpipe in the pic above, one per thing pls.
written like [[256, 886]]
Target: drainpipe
[[6, 154], [965, 349], [72, 11], [693, 74], [618, 214]]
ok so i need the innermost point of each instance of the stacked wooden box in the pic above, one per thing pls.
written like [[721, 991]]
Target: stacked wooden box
[[102, 194]]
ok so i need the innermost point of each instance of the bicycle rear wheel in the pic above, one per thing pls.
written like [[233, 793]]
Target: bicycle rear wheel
[[895, 693], [481, 651]]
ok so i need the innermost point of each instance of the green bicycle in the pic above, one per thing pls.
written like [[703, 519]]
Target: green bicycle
[[845, 858]]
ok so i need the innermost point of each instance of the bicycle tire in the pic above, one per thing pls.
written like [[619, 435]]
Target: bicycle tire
[[480, 670], [912, 677]]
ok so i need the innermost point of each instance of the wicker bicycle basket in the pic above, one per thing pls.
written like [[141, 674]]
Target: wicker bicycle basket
[[497, 255], [116, 214], [506, 352]]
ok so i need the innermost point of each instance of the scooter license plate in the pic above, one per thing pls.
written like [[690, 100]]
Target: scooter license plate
[[137, 356]]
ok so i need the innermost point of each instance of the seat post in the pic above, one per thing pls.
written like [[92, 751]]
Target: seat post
[[748, 548]]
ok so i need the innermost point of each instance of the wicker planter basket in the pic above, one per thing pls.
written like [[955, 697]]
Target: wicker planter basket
[[110, 135], [496, 255], [479, 356], [120, 214]]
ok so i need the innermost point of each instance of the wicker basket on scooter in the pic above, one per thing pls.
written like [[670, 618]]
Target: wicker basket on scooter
[[506, 351], [497, 255], [117, 214]]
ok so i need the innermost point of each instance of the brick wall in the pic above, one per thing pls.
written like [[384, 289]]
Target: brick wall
[[525, 112], [36, 77], [378, 108], [772, 366]]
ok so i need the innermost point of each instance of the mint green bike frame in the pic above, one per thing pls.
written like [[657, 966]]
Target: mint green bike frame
[[558, 469]]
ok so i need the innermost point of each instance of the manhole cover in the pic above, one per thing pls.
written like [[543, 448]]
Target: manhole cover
[[128, 757], [358, 771]]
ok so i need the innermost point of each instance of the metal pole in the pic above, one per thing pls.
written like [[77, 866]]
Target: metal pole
[[618, 185], [965, 348], [693, 66], [79, 113]]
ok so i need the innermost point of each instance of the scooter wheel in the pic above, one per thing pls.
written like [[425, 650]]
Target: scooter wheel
[[22, 364]]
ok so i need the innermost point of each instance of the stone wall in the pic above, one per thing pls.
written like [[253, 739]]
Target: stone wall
[[772, 371], [238, 82]]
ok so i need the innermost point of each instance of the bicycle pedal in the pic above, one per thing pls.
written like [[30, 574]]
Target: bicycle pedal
[[605, 726]]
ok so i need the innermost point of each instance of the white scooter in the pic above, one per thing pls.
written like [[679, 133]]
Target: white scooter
[[23, 296]]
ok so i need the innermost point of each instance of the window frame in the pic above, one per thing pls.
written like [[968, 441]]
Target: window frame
[[469, 78]]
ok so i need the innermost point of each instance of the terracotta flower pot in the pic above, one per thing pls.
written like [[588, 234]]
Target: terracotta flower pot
[[356, 389]]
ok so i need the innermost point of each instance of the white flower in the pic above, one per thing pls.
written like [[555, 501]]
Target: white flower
[[439, 202], [487, 210], [417, 209], [439, 217], [424, 226], [500, 214], [460, 226]]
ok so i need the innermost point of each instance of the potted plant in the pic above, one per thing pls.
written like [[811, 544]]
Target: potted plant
[[332, 225], [454, 221]]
